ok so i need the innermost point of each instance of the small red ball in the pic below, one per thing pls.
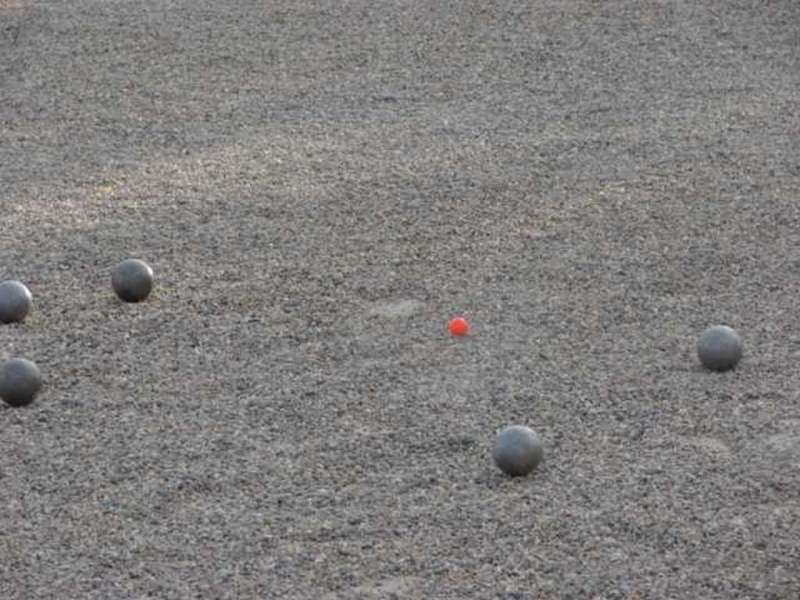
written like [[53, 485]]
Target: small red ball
[[459, 326]]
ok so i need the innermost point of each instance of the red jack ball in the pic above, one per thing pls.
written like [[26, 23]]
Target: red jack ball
[[458, 326]]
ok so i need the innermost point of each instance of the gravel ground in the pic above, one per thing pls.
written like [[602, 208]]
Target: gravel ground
[[319, 186]]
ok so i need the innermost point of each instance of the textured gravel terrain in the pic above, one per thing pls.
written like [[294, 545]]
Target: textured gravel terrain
[[319, 186]]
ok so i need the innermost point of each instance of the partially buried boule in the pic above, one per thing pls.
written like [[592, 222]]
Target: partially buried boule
[[719, 348], [517, 450], [20, 382], [15, 302], [132, 280]]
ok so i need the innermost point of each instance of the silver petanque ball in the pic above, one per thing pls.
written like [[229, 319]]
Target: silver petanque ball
[[20, 381], [15, 302], [517, 450], [132, 280], [719, 348]]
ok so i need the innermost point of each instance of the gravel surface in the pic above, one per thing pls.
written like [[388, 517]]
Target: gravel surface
[[319, 187]]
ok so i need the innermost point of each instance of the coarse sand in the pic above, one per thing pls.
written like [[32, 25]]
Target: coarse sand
[[319, 187]]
